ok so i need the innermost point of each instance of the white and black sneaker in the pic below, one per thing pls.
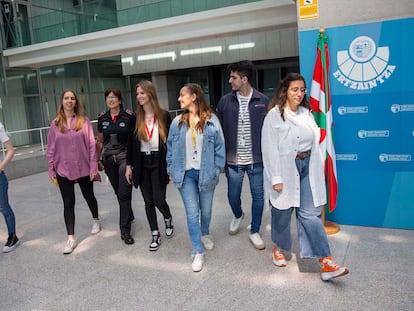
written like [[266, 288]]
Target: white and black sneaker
[[156, 241], [169, 228], [12, 243], [70, 246]]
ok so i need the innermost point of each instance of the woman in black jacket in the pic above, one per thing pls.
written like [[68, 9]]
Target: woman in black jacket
[[114, 127], [146, 158]]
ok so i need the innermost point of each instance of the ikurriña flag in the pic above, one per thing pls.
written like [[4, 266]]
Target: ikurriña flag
[[320, 102]]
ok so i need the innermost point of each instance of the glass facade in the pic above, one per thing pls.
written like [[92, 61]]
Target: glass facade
[[36, 21], [29, 98]]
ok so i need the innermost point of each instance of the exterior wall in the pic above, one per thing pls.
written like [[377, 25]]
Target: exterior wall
[[371, 97], [341, 13], [195, 29]]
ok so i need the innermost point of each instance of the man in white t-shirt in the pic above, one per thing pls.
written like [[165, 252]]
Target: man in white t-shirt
[[5, 209]]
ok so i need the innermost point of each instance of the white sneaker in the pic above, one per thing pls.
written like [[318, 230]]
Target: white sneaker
[[257, 240], [70, 246], [198, 262], [235, 225], [207, 242], [96, 226], [169, 228]]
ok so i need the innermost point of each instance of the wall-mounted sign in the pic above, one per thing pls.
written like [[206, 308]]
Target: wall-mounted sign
[[308, 9], [372, 98]]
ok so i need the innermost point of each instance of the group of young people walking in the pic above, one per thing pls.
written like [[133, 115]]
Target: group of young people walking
[[276, 143]]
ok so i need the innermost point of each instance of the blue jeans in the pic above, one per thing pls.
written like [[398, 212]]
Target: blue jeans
[[313, 242], [198, 206], [5, 208], [235, 175]]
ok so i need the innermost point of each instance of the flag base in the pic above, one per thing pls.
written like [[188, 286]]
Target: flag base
[[331, 227]]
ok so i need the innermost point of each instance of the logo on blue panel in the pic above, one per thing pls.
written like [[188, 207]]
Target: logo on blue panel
[[373, 134], [363, 66], [396, 108], [385, 157], [346, 157], [345, 110]]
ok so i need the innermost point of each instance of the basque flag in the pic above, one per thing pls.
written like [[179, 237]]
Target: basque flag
[[320, 102]]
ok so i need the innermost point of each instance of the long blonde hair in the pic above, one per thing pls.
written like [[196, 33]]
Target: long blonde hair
[[140, 130], [79, 111]]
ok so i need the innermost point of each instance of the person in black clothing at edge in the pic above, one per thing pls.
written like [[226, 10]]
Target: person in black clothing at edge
[[114, 127], [147, 165]]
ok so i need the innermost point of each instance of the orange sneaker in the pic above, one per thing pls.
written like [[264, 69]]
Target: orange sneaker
[[330, 270], [278, 257]]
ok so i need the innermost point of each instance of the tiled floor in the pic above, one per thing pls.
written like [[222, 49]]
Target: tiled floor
[[105, 274]]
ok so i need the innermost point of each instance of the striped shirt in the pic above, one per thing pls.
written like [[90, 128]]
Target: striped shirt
[[244, 137]]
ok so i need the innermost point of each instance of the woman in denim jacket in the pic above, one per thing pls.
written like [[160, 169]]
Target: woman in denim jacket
[[195, 159]]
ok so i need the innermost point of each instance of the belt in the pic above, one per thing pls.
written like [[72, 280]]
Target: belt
[[303, 155], [110, 153], [150, 153]]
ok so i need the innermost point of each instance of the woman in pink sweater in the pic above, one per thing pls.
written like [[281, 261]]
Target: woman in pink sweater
[[71, 156]]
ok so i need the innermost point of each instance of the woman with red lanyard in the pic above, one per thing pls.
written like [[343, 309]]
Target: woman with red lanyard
[[146, 159]]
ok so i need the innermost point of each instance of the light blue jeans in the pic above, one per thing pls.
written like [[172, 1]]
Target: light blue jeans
[[5, 208], [235, 175], [313, 242], [198, 206]]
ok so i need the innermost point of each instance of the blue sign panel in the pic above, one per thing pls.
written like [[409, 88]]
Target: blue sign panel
[[372, 94]]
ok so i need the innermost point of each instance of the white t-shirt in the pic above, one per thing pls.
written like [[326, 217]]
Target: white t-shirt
[[306, 133], [3, 134], [152, 144], [193, 152]]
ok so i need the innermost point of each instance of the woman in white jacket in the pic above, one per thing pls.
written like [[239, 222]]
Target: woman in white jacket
[[294, 176]]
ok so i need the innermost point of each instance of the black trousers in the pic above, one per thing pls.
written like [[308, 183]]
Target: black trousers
[[153, 190], [67, 190], [115, 167]]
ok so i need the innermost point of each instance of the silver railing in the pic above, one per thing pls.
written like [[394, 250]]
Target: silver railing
[[38, 129], [43, 132]]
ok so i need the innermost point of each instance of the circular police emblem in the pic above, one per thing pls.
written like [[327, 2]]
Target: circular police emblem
[[395, 108], [122, 124], [341, 110], [362, 49], [362, 134], [383, 157]]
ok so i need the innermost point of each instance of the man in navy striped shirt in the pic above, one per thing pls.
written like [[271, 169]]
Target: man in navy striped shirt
[[241, 113]]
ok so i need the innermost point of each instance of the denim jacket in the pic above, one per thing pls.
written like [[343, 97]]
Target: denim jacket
[[212, 154]]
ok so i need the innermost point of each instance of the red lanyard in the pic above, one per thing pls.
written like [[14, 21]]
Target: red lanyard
[[152, 130]]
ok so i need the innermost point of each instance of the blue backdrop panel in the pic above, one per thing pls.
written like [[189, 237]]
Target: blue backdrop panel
[[372, 93]]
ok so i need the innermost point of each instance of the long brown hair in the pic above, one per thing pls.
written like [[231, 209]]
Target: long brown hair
[[79, 111], [203, 110], [280, 97], [140, 129]]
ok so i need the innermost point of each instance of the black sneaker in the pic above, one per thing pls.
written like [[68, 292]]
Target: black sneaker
[[169, 228], [12, 243], [127, 238], [156, 241]]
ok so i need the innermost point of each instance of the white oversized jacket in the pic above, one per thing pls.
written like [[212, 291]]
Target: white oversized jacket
[[279, 149]]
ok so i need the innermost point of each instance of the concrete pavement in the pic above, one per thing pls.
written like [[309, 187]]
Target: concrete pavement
[[105, 274]]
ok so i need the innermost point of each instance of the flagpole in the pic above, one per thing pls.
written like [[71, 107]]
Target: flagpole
[[330, 226]]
